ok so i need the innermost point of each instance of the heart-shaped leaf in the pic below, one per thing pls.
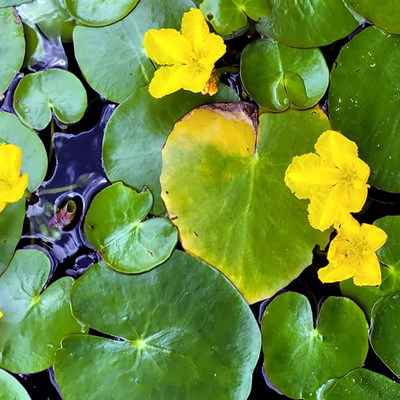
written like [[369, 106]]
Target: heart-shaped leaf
[[276, 75], [389, 255], [34, 156], [10, 388], [134, 155], [34, 320], [115, 227], [12, 46], [229, 16], [38, 94], [385, 338], [95, 13], [386, 14], [363, 102], [305, 24], [183, 332], [118, 48], [223, 186], [298, 357], [361, 384]]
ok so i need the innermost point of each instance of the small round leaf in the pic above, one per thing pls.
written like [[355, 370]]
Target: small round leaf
[[10, 388], [38, 94]]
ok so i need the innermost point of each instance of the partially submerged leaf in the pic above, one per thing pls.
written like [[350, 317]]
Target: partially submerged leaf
[[10, 388]]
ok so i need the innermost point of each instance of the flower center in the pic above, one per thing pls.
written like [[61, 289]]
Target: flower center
[[359, 250], [348, 177]]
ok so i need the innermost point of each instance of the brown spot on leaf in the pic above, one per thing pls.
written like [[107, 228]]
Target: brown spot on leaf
[[174, 218], [195, 233], [150, 253]]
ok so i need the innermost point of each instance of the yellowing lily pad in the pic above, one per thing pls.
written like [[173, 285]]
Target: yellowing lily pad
[[276, 75], [34, 320], [181, 331], [115, 226], [230, 16], [55, 90], [223, 186], [10, 388], [12, 46], [300, 357], [309, 24], [95, 13]]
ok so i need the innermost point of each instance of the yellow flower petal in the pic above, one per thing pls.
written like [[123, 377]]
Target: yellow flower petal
[[195, 30], [338, 273], [2, 205], [368, 272], [167, 47], [375, 237], [1, 314], [166, 80]]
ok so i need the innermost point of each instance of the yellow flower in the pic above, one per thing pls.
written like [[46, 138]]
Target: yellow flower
[[351, 254], [187, 57], [1, 314], [12, 184], [333, 179]]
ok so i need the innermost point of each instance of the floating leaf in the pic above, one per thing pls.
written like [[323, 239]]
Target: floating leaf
[[224, 189], [134, 155], [118, 48], [386, 14], [35, 320], [183, 332], [299, 357], [10, 388], [389, 254], [229, 16], [364, 102], [276, 75], [308, 24], [12, 46], [362, 384], [8, 3], [34, 156], [38, 94], [95, 13], [115, 227], [385, 338]]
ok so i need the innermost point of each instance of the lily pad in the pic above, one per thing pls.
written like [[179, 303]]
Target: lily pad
[[134, 155], [11, 222], [115, 226], [34, 156], [10, 388], [55, 90], [118, 48], [10, 3], [12, 46], [276, 75], [362, 384], [309, 24], [223, 186], [181, 332], [364, 102], [385, 338], [95, 13], [386, 14], [389, 255], [35, 320], [300, 357], [229, 16]]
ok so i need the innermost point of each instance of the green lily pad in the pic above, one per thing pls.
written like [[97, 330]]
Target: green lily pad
[[118, 48], [134, 155], [229, 16], [12, 46], [386, 14], [10, 388], [276, 75], [183, 332], [34, 156], [362, 384], [385, 338], [11, 222], [389, 255], [54, 90], [35, 320], [299, 357], [95, 13], [115, 227], [309, 24], [224, 189], [10, 3], [364, 102]]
